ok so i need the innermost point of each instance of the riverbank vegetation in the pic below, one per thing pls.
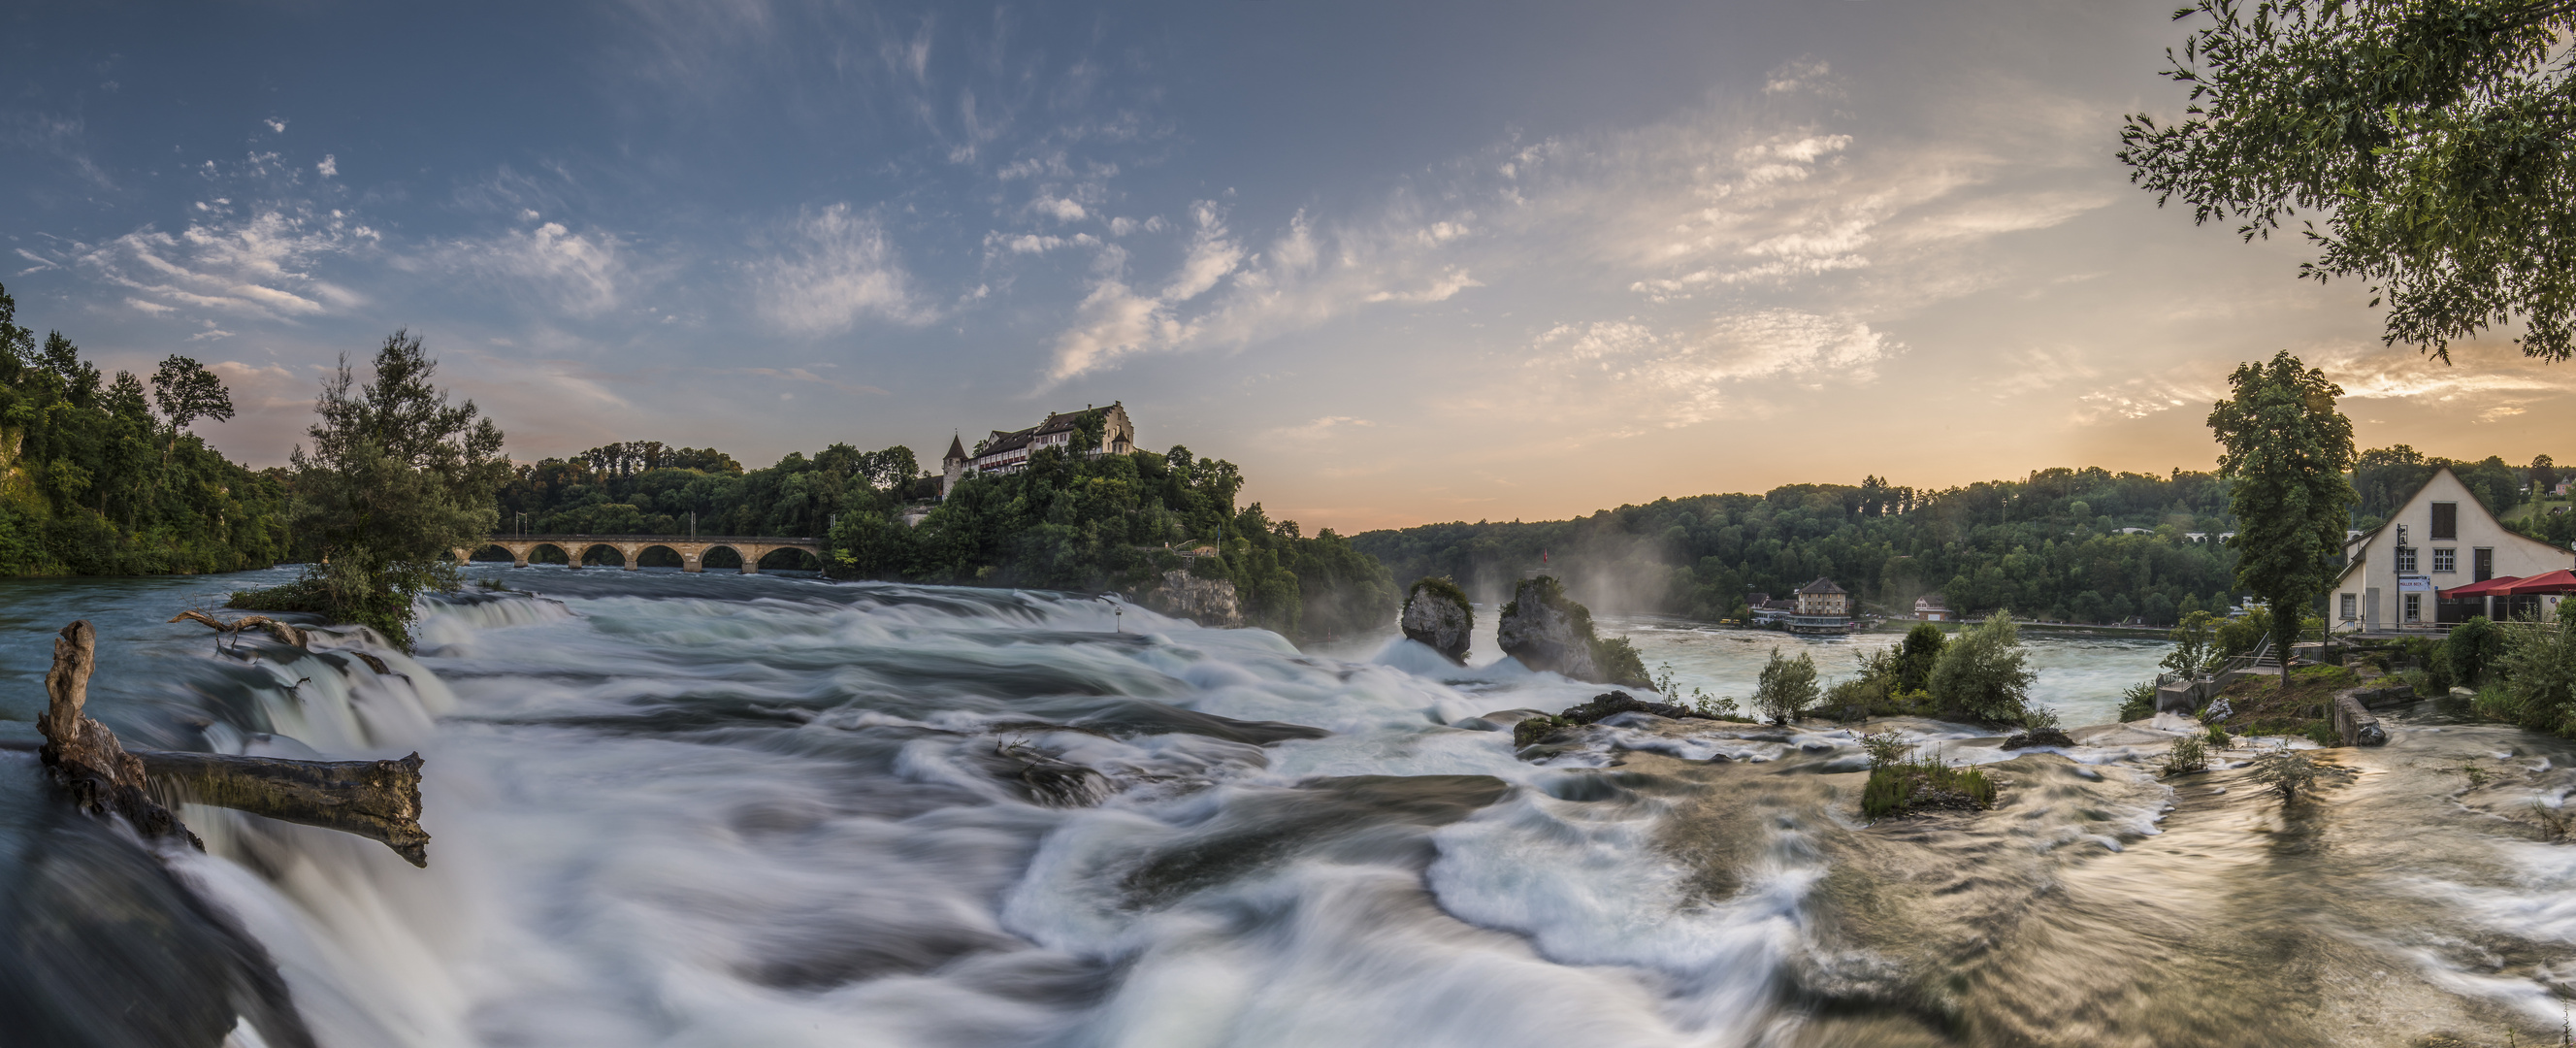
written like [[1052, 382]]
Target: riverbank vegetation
[[1123, 522], [1901, 786], [396, 479], [2067, 545], [99, 476], [649, 488], [1980, 676]]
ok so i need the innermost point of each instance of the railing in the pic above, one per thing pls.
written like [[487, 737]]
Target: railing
[[773, 540]]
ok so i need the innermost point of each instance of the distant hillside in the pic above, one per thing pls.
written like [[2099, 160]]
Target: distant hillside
[[2051, 545]]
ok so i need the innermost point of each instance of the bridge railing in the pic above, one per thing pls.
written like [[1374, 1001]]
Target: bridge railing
[[771, 540]]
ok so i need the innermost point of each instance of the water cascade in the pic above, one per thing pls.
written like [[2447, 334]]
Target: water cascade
[[696, 810]]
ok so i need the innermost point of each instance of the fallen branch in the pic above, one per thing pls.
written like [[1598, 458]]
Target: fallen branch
[[378, 800], [284, 633]]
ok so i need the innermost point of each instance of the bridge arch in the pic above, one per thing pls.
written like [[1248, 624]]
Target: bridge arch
[[506, 553], [548, 553], [788, 558], [601, 552], [660, 555]]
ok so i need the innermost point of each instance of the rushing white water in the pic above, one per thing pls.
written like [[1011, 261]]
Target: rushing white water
[[701, 810]]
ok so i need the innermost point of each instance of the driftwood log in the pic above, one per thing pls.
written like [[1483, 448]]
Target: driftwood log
[[285, 634], [378, 800]]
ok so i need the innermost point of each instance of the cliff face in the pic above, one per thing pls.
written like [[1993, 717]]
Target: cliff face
[[1540, 627], [1549, 632], [1208, 602], [1436, 614]]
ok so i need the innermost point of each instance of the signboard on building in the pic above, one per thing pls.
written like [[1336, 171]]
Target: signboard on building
[[2414, 583]]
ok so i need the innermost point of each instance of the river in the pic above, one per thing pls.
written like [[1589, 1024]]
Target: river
[[683, 810]]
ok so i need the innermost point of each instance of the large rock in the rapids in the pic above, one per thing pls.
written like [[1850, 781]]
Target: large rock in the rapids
[[1436, 614], [1208, 602], [1548, 631]]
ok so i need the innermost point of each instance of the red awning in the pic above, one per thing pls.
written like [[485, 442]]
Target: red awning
[[2560, 581], [2488, 588]]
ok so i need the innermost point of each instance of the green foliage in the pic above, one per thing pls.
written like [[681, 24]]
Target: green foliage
[[2426, 143], [1916, 655], [2539, 671], [1787, 687], [2286, 450], [1885, 748], [1707, 705], [1619, 662], [2189, 754], [1444, 589], [2323, 733], [2384, 478], [2218, 737], [2240, 635], [2473, 651], [1531, 730], [1982, 674], [648, 488], [2196, 645], [1924, 783], [94, 482], [396, 480], [1089, 523], [2138, 701], [2020, 543], [2286, 772]]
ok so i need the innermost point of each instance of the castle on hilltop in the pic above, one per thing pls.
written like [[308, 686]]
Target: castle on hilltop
[[1009, 452]]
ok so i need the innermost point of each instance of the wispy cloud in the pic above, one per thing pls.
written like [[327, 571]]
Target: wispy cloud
[[832, 269], [1623, 377], [562, 272]]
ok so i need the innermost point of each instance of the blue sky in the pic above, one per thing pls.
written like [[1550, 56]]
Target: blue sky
[[1448, 261]]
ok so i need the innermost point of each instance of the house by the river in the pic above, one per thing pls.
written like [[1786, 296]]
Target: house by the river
[[2438, 561]]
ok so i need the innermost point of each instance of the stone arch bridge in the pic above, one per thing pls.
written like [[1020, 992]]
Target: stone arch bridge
[[692, 550]]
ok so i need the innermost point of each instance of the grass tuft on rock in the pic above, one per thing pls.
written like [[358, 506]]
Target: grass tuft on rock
[[1924, 784]]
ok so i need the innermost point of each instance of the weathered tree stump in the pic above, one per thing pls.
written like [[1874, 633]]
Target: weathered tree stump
[[378, 800]]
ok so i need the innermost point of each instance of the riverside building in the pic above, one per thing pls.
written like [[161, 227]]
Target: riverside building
[[1009, 452], [2441, 540]]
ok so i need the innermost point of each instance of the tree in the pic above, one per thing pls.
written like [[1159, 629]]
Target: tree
[[1917, 654], [2432, 137], [2286, 449], [2195, 647], [1787, 687], [1981, 673], [397, 478], [185, 392]]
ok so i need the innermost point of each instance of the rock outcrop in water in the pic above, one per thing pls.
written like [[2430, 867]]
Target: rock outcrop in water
[[1208, 602], [1437, 615], [1602, 707], [1547, 631]]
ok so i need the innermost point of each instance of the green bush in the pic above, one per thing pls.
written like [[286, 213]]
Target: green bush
[[2323, 733], [1981, 674], [2188, 755], [2539, 671], [2472, 651], [1924, 783], [1787, 688], [2138, 702]]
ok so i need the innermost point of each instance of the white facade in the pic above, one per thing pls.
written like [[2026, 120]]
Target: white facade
[[2441, 539]]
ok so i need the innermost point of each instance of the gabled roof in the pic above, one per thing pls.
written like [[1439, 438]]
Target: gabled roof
[[2356, 549], [1929, 602], [956, 450], [1821, 585]]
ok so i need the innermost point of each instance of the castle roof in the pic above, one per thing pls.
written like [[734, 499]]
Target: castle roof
[[1821, 585], [1056, 422], [956, 449]]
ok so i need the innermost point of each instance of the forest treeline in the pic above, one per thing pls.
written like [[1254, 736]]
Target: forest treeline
[[1111, 522], [99, 476], [2083, 545]]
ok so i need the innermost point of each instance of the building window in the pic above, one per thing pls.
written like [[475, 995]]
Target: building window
[[2414, 608], [2484, 559], [2351, 607], [2405, 560], [2446, 520], [2445, 559]]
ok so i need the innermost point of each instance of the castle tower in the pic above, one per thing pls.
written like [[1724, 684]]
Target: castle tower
[[952, 465]]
